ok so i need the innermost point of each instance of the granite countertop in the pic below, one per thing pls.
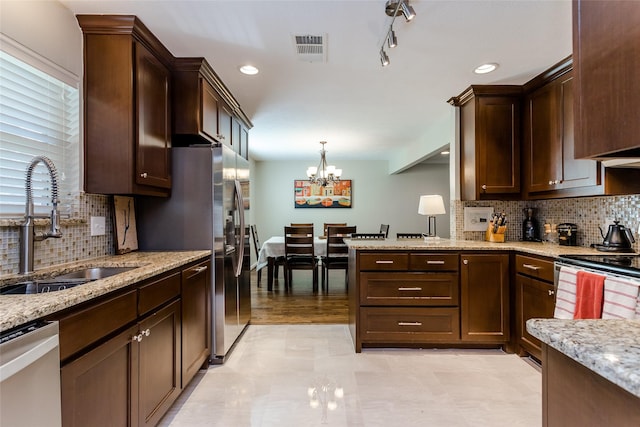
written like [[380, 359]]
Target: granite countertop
[[19, 309], [534, 248], [610, 348]]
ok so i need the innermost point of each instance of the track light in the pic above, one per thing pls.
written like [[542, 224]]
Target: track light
[[392, 40], [384, 58], [394, 8], [407, 11]]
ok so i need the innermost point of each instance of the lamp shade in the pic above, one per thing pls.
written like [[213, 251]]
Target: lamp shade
[[431, 205]]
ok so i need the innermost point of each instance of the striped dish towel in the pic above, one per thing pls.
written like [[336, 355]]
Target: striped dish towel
[[566, 293], [620, 298]]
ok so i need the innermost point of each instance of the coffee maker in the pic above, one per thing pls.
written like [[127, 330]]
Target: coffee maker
[[530, 228]]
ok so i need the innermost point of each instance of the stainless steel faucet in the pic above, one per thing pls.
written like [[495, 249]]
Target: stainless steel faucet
[[27, 231]]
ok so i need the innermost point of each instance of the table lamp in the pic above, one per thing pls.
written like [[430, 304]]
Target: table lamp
[[431, 205]]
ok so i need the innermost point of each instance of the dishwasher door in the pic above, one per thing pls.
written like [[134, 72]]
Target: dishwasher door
[[30, 376]]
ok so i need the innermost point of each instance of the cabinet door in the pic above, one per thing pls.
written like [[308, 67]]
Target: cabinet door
[[208, 109], [244, 143], [196, 319], [534, 299], [497, 145], [484, 298], [97, 387], [224, 125], [606, 46], [153, 144], [159, 363]]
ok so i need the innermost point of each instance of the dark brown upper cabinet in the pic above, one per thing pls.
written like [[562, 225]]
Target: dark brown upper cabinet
[[489, 142], [549, 166], [127, 108], [606, 48]]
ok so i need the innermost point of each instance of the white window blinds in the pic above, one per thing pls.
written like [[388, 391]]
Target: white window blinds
[[39, 116]]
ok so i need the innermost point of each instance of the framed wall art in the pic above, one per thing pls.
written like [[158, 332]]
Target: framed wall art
[[308, 195]]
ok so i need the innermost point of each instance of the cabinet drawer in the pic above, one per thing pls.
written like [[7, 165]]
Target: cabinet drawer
[[84, 327], [540, 268], [157, 292], [386, 261], [426, 289], [409, 325], [433, 262]]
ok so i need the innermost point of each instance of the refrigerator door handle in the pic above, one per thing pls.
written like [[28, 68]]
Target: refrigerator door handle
[[240, 204]]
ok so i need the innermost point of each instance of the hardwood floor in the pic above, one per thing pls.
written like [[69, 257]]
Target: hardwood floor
[[300, 305]]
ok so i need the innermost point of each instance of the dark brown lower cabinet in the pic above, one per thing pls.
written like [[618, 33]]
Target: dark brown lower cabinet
[[130, 380], [535, 299], [484, 298]]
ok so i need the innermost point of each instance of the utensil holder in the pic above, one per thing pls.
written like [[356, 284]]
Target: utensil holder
[[497, 237]]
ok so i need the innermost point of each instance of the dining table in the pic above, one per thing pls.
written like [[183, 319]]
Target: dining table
[[273, 248]]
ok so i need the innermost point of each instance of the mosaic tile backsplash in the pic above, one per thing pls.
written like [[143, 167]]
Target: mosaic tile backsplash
[[588, 213], [75, 244]]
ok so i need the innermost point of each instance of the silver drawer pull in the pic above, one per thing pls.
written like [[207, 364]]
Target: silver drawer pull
[[200, 269], [551, 292], [409, 323], [410, 289], [435, 262], [384, 262], [531, 267]]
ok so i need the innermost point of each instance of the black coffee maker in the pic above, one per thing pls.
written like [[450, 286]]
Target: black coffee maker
[[530, 229]]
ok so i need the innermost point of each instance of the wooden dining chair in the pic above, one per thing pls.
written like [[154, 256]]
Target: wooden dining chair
[[384, 229], [337, 254], [408, 235], [257, 246], [328, 224], [299, 253]]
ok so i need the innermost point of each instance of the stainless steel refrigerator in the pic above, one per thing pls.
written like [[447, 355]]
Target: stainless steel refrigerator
[[207, 210]]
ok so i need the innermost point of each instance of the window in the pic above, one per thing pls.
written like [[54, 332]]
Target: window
[[39, 116]]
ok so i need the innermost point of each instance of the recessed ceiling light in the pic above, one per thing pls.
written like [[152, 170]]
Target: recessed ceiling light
[[249, 70], [486, 68]]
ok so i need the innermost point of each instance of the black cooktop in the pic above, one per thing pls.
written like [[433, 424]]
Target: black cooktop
[[625, 264]]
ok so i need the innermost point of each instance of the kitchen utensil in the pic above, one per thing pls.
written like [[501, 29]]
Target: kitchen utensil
[[530, 228], [567, 234], [618, 238]]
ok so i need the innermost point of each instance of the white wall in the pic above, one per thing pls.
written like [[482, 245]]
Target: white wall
[[377, 197]]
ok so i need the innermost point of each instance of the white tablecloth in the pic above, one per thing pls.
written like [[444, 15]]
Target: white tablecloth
[[274, 247]]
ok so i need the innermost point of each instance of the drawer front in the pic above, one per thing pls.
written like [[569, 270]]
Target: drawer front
[[409, 325], [158, 292], [421, 289], [433, 262], [84, 327], [384, 261], [540, 268]]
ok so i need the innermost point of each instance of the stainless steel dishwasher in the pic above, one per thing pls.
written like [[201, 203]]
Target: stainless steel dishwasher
[[30, 376]]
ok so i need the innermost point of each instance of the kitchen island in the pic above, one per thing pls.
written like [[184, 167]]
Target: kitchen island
[[438, 293], [19, 309], [590, 371]]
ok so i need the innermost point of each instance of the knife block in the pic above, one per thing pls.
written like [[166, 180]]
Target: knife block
[[498, 237]]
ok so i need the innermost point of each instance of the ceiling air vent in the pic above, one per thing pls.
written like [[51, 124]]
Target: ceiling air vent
[[311, 48]]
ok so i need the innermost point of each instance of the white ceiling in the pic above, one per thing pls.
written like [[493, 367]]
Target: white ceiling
[[363, 110]]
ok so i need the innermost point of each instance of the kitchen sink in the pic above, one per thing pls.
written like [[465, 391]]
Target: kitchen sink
[[63, 281], [94, 273]]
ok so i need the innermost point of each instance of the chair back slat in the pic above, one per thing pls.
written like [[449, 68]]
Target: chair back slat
[[256, 240], [408, 235], [367, 236]]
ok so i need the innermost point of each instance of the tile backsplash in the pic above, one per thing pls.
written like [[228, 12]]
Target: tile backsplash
[[75, 244], [588, 213]]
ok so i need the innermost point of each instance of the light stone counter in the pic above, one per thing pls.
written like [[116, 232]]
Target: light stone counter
[[18, 309], [610, 348], [534, 248]]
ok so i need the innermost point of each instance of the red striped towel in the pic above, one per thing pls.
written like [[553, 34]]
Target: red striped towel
[[620, 298], [589, 295], [566, 293]]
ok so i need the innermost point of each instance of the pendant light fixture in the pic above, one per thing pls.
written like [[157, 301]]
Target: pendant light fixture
[[324, 175], [394, 8]]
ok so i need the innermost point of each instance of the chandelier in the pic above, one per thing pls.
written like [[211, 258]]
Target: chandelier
[[323, 175]]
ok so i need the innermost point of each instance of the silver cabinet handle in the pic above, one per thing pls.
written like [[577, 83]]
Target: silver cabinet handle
[[531, 267], [137, 338], [410, 289], [435, 262], [144, 175], [465, 261], [384, 262], [409, 323], [550, 182], [147, 332], [484, 187], [551, 292], [200, 269]]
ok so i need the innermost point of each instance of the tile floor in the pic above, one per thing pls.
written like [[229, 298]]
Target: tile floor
[[266, 380]]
